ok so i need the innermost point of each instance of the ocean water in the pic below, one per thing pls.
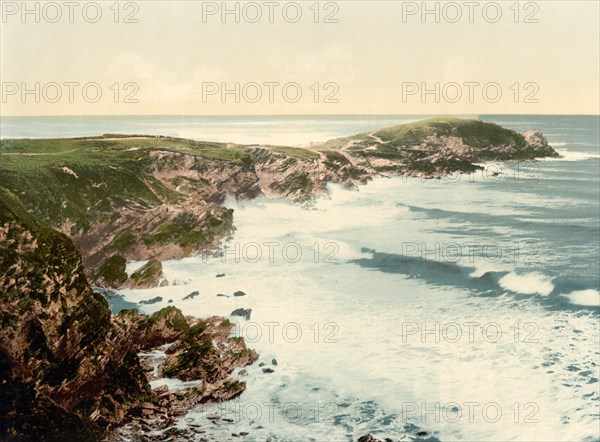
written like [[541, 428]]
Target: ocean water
[[282, 130], [465, 308]]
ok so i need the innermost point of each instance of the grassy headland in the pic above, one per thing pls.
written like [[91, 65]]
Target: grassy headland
[[161, 197]]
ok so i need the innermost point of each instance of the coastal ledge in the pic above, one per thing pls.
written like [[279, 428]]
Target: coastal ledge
[[137, 198], [68, 368]]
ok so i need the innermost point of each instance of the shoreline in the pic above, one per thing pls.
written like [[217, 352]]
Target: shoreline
[[119, 201]]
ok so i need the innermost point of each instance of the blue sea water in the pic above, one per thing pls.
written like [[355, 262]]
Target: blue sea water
[[286, 130], [465, 307]]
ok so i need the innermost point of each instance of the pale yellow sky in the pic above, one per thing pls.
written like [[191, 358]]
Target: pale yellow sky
[[377, 59]]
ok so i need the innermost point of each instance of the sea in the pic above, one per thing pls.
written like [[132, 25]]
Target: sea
[[463, 308]]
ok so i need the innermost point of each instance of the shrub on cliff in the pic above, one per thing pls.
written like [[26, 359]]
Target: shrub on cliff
[[112, 272]]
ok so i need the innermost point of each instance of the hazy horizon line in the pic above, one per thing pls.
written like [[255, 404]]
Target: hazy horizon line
[[300, 115]]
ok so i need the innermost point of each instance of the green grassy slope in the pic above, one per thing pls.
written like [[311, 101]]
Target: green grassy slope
[[406, 142]]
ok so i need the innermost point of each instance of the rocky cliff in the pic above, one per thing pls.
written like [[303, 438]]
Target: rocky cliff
[[68, 369], [140, 198]]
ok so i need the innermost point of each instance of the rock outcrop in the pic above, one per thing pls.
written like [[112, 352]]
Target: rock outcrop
[[68, 369], [195, 356], [147, 276], [161, 198], [64, 358]]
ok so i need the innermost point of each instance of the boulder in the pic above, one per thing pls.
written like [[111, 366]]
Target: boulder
[[242, 312], [191, 295], [154, 300]]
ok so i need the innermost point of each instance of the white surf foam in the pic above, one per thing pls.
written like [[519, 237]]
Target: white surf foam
[[528, 283], [575, 155], [354, 346], [133, 266], [588, 297]]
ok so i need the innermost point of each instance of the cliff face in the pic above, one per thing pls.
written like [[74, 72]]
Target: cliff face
[[68, 370], [143, 198], [189, 216], [58, 345], [440, 146]]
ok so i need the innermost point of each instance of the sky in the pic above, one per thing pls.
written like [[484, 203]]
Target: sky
[[279, 57]]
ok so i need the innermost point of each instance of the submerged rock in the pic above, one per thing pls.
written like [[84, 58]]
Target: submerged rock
[[154, 300], [368, 438], [242, 312], [191, 295]]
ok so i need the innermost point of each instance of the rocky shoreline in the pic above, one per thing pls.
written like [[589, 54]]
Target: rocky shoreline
[[162, 197], [71, 369], [174, 397]]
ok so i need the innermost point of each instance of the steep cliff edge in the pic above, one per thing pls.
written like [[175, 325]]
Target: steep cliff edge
[[161, 198], [440, 146], [68, 370]]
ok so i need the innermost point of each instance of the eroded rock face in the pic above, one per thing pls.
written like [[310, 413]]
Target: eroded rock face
[[202, 354], [148, 276], [112, 275], [68, 369], [535, 138], [205, 351], [159, 203], [539, 144], [195, 221], [66, 365], [58, 342], [163, 327]]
